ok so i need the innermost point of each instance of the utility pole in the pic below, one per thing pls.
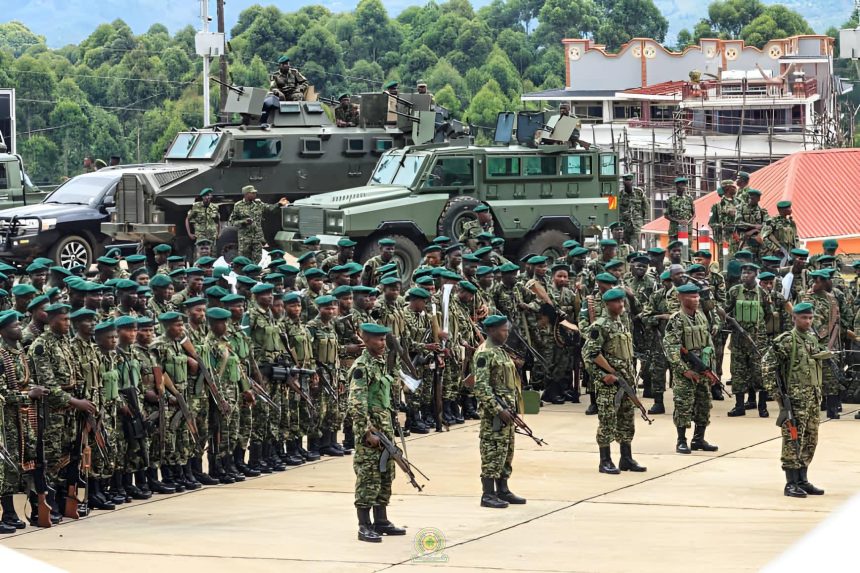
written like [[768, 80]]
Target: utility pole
[[204, 17], [222, 60]]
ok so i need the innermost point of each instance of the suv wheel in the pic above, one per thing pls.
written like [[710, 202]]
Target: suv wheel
[[457, 212], [546, 243], [72, 250]]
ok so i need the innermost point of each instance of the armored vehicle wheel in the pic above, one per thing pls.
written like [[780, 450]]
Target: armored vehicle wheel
[[406, 253], [72, 250], [547, 243], [456, 213], [227, 243]]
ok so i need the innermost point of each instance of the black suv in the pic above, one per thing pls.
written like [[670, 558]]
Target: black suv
[[65, 226]]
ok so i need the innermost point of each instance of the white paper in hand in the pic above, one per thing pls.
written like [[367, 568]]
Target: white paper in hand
[[409, 381]]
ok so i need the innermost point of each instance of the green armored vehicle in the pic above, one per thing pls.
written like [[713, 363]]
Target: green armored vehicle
[[300, 153], [540, 194], [15, 186]]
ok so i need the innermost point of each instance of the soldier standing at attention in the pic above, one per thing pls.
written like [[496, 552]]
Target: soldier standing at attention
[[608, 355], [247, 215], [496, 376], [203, 216], [687, 331], [471, 229], [346, 114], [794, 359], [370, 275], [633, 209], [370, 410], [722, 220], [679, 209]]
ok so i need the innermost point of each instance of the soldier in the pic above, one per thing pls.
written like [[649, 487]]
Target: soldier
[[743, 185], [38, 320], [749, 221], [779, 234], [421, 348], [344, 255], [679, 209], [687, 332], [371, 412], [325, 354], [472, 228], [247, 215], [592, 308], [346, 114], [716, 299], [193, 287], [795, 277], [496, 381], [633, 209], [566, 304], [107, 398], [792, 370], [723, 214], [304, 417], [829, 247], [126, 293], [421, 89], [608, 248], [370, 275], [203, 222], [642, 287], [608, 356], [287, 84], [826, 325]]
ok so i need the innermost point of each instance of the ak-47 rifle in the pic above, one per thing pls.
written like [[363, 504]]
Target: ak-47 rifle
[[134, 426], [219, 400], [438, 365], [697, 365], [158, 380], [80, 458], [326, 378], [739, 330], [786, 412], [184, 411], [255, 377], [529, 348], [40, 479], [283, 372], [624, 387], [520, 426], [391, 451]]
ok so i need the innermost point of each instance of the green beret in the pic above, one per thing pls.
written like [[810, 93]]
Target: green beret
[[160, 281], [613, 294], [52, 292], [482, 251], [75, 283], [803, 308], [176, 259], [702, 253], [771, 259], [342, 290], [35, 268], [830, 244], [766, 276], [442, 239], [216, 292], [38, 301], [559, 267], [451, 248], [241, 261], [346, 242], [374, 329], [261, 288], [571, 244], [482, 208], [695, 269], [219, 271], [362, 289], [752, 266], [176, 273], [783, 205], [248, 281], [105, 326], [134, 259], [826, 259], [800, 252], [497, 241], [743, 254], [495, 320], [3, 293], [125, 322], [608, 243], [537, 260], [641, 259], [144, 322], [578, 252], [615, 225], [720, 192], [292, 297], [675, 244], [483, 271], [313, 273], [162, 248], [107, 261], [424, 281], [194, 301], [743, 175], [387, 268], [276, 254], [466, 285], [665, 275], [252, 269], [58, 308], [204, 261], [450, 275], [613, 264], [432, 249], [688, 288], [23, 290], [343, 96], [754, 192], [217, 313], [8, 317], [856, 264], [312, 240], [353, 268], [485, 235], [390, 84], [144, 291], [389, 274], [205, 191], [680, 180], [82, 313], [509, 268], [656, 251], [387, 242], [325, 300], [171, 316], [606, 278], [200, 242], [305, 256], [273, 277], [231, 298], [283, 59], [388, 281], [418, 292], [288, 270], [125, 284], [470, 257]]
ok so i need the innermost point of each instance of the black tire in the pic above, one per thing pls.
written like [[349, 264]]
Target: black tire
[[546, 243], [406, 253], [72, 250], [456, 213], [227, 244]]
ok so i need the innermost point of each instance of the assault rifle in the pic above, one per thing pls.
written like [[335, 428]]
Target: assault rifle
[[219, 400], [40, 479], [624, 387], [283, 372], [134, 426], [697, 365], [520, 426], [786, 412], [739, 330], [391, 451], [325, 376]]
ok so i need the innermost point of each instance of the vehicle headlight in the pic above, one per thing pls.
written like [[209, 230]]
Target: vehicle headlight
[[48, 224], [334, 222], [36, 225], [291, 217]]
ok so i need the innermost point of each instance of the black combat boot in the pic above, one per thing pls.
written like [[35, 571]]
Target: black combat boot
[[416, 424], [203, 477], [606, 464], [792, 489], [232, 469], [141, 480], [348, 439], [592, 406], [473, 408], [762, 404], [740, 408], [489, 497], [294, 457], [255, 452], [457, 411], [272, 460], [832, 403], [327, 445], [312, 454], [217, 469], [6, 529], [190, 480], [751, 403], [239, 461], [716, 393], [98, 499], [698, 442], [10, 517], [647, 389], [365, 528], [627, 463], [551, 394], [681, 447], [447, 414], [170, 480], [156, 486], [132, 490], [657, 407], [804, 484], [381, 524], [118, 495], [505, 494], [572, 396]]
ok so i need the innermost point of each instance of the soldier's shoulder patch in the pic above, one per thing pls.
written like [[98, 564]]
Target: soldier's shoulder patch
[[481, 362], [593, 333], [39, 349], [357, 374]]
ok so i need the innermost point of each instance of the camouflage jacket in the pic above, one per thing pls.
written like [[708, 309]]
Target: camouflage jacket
[[292, 84], [370, 395], [779, 232], [754, 321], [471, 230], [348, 115], [680, 208], [205, 219], [495, 375], [633, 206], [611, 338], [790, 355], [253, 210], [722, 220], [680, 323]]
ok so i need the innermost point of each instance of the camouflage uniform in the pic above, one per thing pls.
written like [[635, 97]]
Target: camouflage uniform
[[147, 378], [302, 420], [417, 325], [130, 376], [87, 367], [692, 399], [495, 374], [265, 333], [347, 334], [791, 356], [240, 344], [471, 230], [178, 443], [825, 324], [633, 210], [14, 405], [779, 231], [325, 353], [348, 114], [561, 357], [370, 276], [751, 215], [292, 84], [370, 407], [226, 368], [749, 307], [722, 223], [611, 338], [251, 238], [107, 398], [679, 207], [656, 364], [392, 316], [205, 219]]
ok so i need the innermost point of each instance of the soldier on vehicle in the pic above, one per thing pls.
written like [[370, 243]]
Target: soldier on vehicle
[[346, 114], [287, 84]]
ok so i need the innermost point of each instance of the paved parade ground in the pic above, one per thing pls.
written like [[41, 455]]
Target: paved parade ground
[[709, 512]]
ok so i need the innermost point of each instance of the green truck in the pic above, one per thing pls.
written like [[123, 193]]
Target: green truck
[[15, 186], [540, 195]]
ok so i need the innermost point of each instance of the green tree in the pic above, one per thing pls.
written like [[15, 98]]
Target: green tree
[[17, 38], [776, 22], [417, 63], [486, 105], [567, 19], [320, 51], [502, 71], [626, 19], [375, 35], [726, 18], [444, 74], [41, 158], [447, 98]]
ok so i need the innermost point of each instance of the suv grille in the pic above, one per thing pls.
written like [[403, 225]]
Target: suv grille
[[311, 221], [5, 226]]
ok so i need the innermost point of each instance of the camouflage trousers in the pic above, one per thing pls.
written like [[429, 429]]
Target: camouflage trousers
[[806, 414], [497, 448], [745, 367], [656, 363], [830, 385], [201, 409], [179, 445], [372, 487], [331, 413], [252, 248], [105, 465], [424, 393], [264, 420], [134, 455], [613, 425], [9, 428], [246, 420], [561, 366], [719, 352], [545, 345], [301, 418], [451, 381], [692, 403], [632, 231], [224, 431]]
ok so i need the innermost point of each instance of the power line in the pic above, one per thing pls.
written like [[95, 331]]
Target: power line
[[80, 75]]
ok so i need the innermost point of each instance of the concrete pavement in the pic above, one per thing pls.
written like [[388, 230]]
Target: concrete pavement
[[713, 512]]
